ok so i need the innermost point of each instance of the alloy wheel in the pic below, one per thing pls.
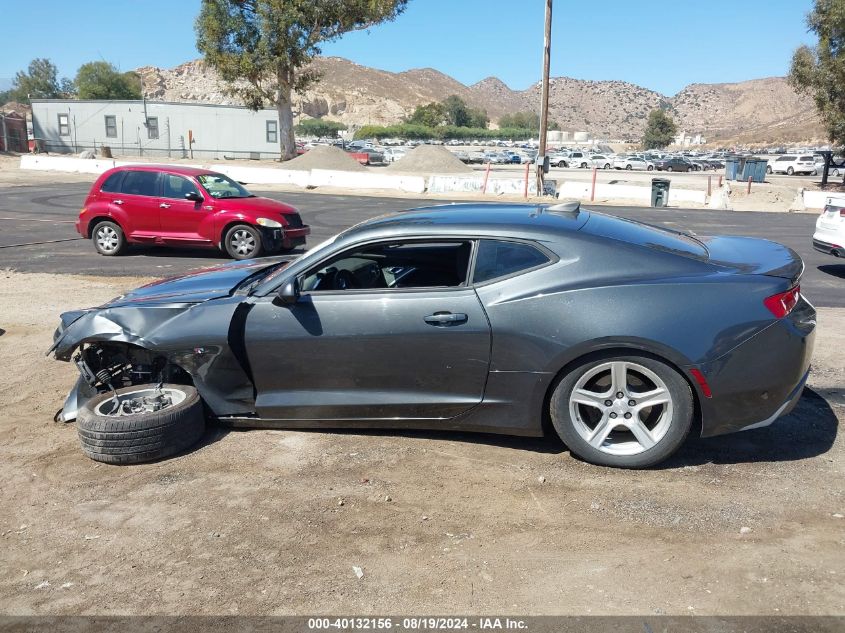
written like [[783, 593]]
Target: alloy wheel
[[621, 408]]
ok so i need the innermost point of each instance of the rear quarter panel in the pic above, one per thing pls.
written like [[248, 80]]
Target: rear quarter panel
[[604, 295]]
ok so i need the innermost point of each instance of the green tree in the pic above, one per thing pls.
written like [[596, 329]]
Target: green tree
[[318, 127], [660, 130], [101, 80], [261, 47], [40, 81], [820, 71], [457, 112], [478, 118], [430, 115], [525, 121]]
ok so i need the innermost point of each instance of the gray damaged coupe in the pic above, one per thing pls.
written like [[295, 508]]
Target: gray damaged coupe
[[492, 318]]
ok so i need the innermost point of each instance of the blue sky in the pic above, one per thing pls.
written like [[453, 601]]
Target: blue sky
[[659, 44]]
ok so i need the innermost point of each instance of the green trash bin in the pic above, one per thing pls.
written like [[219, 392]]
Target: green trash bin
[[659, 192]]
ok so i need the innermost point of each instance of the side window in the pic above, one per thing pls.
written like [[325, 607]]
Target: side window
[[64, 125], [112, 183], [152, 127], [272, 131], [111, 126], [388, 265], [174, 186], [498, 259], [140, 183]]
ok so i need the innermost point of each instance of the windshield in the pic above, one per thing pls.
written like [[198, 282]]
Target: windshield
[[220, 186]]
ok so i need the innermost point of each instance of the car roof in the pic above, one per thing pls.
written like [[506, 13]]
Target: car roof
[[172, 169], [506, 220]]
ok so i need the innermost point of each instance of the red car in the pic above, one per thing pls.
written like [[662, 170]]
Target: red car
[[183, 206]]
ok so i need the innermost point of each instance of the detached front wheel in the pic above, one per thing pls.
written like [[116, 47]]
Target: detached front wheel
[[622, 411], [144, 424]]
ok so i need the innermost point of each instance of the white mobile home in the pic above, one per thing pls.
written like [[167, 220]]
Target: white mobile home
[[155, 128]]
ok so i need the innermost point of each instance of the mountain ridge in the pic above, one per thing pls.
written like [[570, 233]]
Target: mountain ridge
[[757, 110]]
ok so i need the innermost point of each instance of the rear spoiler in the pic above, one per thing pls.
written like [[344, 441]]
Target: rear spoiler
[[753, 256]]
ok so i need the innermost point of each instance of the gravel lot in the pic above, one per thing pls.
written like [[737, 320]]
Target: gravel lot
[[272, 522]]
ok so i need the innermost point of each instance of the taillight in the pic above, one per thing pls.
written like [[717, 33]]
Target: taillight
[[782, 303]]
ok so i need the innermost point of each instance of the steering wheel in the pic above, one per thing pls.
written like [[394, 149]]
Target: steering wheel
[[344, 280]]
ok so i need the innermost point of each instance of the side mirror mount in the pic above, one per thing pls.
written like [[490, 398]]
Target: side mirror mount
[[193, 196], [288, 294]]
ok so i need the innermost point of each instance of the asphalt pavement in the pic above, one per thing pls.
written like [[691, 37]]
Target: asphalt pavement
[[37, 234]]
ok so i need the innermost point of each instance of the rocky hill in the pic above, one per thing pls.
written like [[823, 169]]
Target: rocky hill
[[760, 110]]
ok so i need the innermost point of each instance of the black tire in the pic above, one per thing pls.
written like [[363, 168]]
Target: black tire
[[789, 171], [143, 437], [607, 165], [108, 238], [252, 246], [583, 165], [669, 168], [768, 170], [678, 427], [650, 168], [628, 168]]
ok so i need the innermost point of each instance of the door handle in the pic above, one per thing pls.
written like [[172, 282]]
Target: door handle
[[164, 205], [117, 201], [445, 318]]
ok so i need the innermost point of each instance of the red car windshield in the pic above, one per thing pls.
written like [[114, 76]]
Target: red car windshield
[[220, 186]]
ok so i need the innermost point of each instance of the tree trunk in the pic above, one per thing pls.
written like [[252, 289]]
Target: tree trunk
[[287, 142]]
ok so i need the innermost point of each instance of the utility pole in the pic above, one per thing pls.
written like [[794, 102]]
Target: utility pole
[[544, 99]]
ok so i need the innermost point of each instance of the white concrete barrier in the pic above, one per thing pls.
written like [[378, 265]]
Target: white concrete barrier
[[818, 199], [264, 175], [65, 163], [474, 184], [581, 191], [359, 180]]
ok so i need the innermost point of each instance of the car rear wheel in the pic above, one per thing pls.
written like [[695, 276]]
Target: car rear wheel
[[789, 171], [622, 411], [607, 165], [768, 170], [583, 165], [108, 238], [628, 168], [145, 424], [243, 241], [650, 168]]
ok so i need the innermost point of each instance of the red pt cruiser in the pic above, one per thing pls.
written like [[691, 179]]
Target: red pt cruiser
[[187, 207]]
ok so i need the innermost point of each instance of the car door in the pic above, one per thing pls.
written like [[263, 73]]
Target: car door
[[181, 218], [136, 205], [406, 352]]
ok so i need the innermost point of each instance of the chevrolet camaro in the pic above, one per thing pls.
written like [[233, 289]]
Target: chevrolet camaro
[[619, 336]]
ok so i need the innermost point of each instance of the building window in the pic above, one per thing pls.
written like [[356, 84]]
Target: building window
[[272, 131], [152, 127], [64, 125], [111, 126]]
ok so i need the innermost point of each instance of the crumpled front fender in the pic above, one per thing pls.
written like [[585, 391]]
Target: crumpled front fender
[[111, 324]]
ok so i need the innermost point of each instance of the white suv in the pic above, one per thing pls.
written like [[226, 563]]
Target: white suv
[[830, 228], [791, 164]]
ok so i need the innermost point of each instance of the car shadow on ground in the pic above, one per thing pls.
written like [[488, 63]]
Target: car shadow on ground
[[809, 431], [837, 270]]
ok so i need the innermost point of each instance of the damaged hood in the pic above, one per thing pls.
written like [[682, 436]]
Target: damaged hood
[[133, 317], [198, 286]]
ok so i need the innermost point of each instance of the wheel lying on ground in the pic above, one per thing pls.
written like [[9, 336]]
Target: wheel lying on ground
[[108, 238], [243, 241], [127, 437], [622, 411]]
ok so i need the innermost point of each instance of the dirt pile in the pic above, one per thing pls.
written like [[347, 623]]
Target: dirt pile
[[325, 157], [430, 159]]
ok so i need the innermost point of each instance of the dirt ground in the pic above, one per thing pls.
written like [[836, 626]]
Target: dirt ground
[[272, 522]]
